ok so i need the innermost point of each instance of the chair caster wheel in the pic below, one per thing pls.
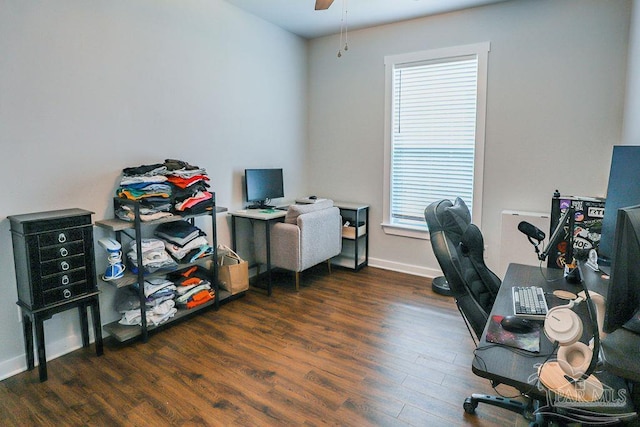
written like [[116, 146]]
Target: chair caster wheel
[[470, 405]]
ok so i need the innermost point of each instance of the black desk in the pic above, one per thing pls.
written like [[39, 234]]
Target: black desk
[[501, 365]]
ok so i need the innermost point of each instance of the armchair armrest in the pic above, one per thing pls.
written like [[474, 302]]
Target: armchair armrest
[[285, 246]]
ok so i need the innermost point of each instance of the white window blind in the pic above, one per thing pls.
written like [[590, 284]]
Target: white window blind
[[434, 121]]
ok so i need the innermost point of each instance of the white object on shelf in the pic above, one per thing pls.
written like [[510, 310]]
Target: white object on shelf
[[307, 200], [349, 231]]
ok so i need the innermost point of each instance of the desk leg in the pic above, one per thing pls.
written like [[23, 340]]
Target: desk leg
[[233, 233], [97, 326], [42, 356], [268, 240], [27, 329]]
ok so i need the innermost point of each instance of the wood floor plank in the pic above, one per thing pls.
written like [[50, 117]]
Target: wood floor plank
[[372, 348]]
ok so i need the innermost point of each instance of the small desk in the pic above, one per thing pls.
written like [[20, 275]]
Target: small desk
[[268, 216], [503, 366]]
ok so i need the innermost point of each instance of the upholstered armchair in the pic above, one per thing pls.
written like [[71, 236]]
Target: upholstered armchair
[[309, 235]]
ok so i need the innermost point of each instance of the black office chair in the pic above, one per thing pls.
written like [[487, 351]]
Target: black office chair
[[458, 246]]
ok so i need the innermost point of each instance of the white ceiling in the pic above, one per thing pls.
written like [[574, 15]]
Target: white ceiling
[[299, 16]]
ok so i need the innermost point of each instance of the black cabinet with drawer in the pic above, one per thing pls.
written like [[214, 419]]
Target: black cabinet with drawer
[[55, 271]]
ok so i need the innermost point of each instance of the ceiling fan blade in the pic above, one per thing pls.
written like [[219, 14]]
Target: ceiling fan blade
[[323, 4]]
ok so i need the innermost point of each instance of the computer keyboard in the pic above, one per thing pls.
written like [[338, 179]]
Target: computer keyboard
[[529, 302]]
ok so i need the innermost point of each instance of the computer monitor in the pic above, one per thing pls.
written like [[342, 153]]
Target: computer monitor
[[623, 190], [263, 185], [623, 295]]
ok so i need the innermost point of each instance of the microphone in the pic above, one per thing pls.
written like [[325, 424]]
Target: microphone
[[531, 231]]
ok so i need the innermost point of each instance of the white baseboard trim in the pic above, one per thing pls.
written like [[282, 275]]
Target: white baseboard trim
[[11, 367], [416, 270], [55, 349]]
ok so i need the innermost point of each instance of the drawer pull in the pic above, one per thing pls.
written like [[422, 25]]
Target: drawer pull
[[64, 265], [65, 280], [64, 252], [66, 293], [62, 237]]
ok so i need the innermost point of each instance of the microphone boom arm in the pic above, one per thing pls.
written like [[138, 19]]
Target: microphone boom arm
[[557, 235]]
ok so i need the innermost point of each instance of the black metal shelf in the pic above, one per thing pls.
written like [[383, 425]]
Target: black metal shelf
[[119, 226], [355, 237]]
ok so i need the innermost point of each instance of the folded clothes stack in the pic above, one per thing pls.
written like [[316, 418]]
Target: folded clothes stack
[[154, 256], [155, 315], [190, 187], [159, 306], [192, 287], [183, 241], [149, 185], [163, 189], [163, 296]]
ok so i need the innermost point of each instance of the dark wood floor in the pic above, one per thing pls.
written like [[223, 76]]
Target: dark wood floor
[[350, 349]]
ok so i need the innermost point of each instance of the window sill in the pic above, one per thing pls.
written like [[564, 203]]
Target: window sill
[[404, 231]]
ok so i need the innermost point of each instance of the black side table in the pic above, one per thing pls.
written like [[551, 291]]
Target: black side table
[[55, 272]]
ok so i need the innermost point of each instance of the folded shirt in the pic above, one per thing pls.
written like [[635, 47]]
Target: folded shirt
[[147, 245], [178, 232], [182, 299], [154, 256], [133, 194], [155, 316], [183, 182], [152, 286], [146, 170], [200, 196], [179, 253]]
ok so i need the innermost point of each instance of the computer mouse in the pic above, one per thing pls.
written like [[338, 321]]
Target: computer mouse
[[516, 324]]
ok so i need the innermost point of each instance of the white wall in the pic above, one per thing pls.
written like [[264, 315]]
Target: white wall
[[556, 83], [90, 87], [631, 129]]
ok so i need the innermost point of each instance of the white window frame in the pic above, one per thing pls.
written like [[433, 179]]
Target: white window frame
[[481, 50]]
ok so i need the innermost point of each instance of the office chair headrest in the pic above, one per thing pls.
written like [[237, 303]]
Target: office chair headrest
[[449, 217]]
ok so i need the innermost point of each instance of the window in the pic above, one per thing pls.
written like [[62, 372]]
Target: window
[[434, 133]]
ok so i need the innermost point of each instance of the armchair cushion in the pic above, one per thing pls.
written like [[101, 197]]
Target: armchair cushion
[[295, 211]]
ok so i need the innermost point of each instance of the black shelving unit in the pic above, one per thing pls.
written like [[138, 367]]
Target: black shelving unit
[[133, 230], [355, 236]]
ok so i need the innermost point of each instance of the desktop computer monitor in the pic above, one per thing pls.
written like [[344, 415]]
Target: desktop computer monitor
[[622, 191], [263, 185], [623, 297]]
